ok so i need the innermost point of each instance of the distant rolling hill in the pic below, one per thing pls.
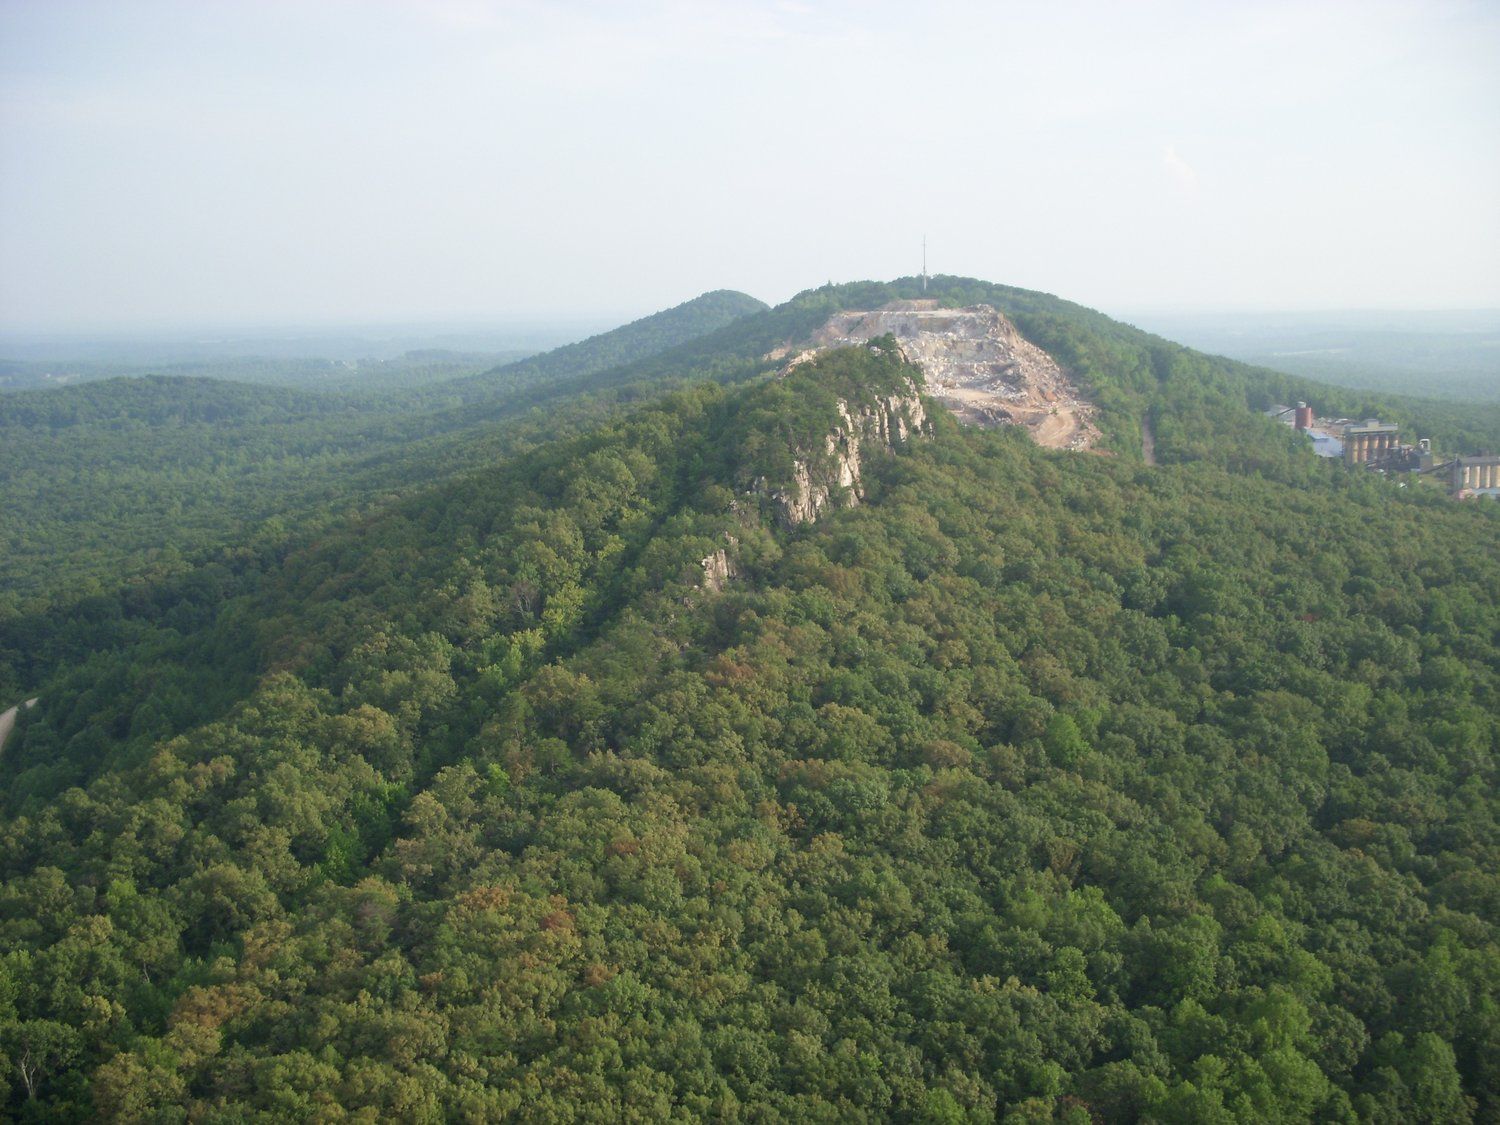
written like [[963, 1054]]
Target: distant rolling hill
[[641, 338]]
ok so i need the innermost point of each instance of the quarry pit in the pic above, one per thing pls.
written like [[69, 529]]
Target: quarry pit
[[977, 365]]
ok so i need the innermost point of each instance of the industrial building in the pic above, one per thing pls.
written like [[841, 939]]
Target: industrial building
[[1376, 445], [1474, 474], [1371, 441], [1322, 433]]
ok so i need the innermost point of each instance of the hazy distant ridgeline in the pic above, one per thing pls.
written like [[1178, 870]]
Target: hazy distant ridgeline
[[357, 362], [648, 336], [350, 359], [1426, 354], [407, 371]]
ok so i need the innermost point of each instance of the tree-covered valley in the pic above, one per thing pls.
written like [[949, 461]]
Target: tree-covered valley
[[517, 750]]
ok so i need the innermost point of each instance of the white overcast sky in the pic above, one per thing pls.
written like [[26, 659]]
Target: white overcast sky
[[173, 164]]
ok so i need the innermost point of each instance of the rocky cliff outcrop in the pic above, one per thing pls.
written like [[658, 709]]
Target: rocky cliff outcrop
[[831, 476], [719, 568]]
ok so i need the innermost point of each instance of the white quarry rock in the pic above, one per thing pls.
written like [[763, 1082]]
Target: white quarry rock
[[977, 364]]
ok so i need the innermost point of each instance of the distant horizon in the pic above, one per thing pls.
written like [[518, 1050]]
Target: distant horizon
[[288, 329], [166, 165], [601, 320]]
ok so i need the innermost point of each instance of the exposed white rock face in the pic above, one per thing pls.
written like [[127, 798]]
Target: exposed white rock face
[[976, 364], [803, 501], [719, 568], [835, 478]]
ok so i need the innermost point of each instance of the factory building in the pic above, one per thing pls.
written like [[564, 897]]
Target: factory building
[[1373, 444], [1371, 441], [1474, 474]]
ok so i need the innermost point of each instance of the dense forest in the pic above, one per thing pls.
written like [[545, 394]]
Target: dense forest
[[123, 477], [552, 771]]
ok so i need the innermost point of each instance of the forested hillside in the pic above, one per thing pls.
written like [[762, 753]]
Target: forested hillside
[[648, 336], [139, 478], [584, 785], [123, 477]]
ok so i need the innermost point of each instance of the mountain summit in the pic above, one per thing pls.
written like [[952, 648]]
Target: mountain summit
[[978, 365]]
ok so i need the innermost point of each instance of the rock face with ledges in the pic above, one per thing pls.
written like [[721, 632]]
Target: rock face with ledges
[[719, 569], [831, 477]]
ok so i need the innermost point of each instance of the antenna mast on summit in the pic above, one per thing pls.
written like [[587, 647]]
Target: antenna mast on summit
[[924, 263]]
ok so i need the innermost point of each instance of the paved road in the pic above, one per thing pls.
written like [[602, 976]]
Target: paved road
[[8, 720]]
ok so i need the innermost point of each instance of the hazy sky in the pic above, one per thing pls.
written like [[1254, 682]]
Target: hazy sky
[[319, 161]]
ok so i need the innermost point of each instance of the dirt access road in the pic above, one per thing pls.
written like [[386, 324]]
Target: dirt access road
[[8, 720]]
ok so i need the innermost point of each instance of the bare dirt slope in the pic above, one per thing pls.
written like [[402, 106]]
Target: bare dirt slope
[[8, 720], [978, 366]]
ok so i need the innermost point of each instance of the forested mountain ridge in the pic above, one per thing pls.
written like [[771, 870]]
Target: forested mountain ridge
[[1036, 786], [93, 498], [112, 479], [1129, 373], [637, 340]]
